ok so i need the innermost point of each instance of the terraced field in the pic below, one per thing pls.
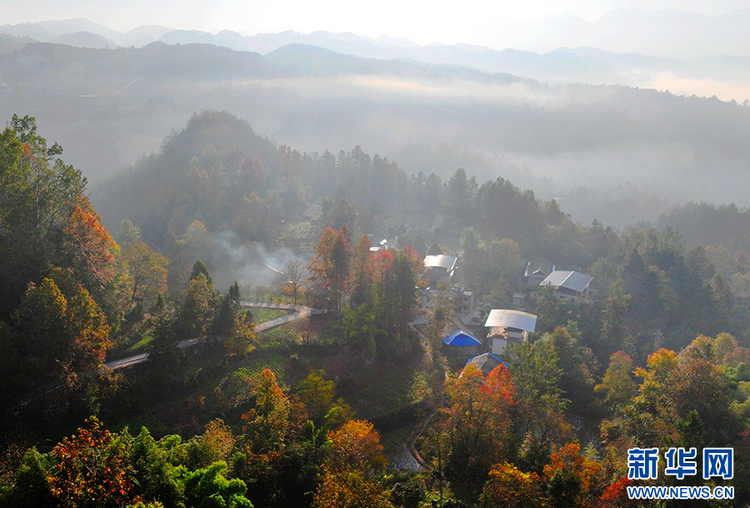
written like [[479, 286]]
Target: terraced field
[[238, 387], [274, 362], [262, 315]]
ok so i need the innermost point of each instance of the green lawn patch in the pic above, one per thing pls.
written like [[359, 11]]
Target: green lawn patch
[[138, 346]]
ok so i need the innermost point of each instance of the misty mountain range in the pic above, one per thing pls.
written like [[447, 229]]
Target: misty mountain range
[[589, 146], [669, 33], [626, 47]]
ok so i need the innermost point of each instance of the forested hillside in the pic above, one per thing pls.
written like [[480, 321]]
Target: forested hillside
[[57, 301], [240, 186], [360, 404]]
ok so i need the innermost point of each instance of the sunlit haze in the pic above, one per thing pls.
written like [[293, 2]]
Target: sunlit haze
[[325, 253], [421, 21]]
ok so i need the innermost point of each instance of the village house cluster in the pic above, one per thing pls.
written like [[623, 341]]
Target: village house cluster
[[505, 326]]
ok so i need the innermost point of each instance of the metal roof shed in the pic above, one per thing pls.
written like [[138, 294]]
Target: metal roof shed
[[573, 281], [502, 318], [447, 263]]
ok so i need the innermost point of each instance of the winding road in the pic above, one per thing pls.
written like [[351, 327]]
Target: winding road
[[298, 312]]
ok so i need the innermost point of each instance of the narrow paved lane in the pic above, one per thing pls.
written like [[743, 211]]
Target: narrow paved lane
[[300, 312]]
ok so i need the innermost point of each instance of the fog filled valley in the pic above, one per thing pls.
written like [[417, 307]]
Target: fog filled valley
[[582, 144], [328, 270]]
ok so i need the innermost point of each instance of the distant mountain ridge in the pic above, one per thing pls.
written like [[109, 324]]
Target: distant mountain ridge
[[71, 68], [85, 40], [667, 34], [614, 50]]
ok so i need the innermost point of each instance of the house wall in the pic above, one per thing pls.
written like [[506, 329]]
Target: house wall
[[498, 346]]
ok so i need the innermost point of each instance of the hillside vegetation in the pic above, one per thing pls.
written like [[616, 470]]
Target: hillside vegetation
[[656, 356]]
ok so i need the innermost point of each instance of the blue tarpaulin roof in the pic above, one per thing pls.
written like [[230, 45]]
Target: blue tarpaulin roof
[[461, 338]]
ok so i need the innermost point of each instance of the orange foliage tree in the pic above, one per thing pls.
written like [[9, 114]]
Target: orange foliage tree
[[616, 495], [356, 445], [90, 331], [379, 265], [683, 399], [476, 425], [356, 453], [509, 487], [349, 489], [217, 440], [89, 246], [572, 479], [91, 469]]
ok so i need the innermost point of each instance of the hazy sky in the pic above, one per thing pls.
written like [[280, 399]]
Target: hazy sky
[[423, 21]]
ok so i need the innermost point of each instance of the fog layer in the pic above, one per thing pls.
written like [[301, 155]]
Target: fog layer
[[108, 107]]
